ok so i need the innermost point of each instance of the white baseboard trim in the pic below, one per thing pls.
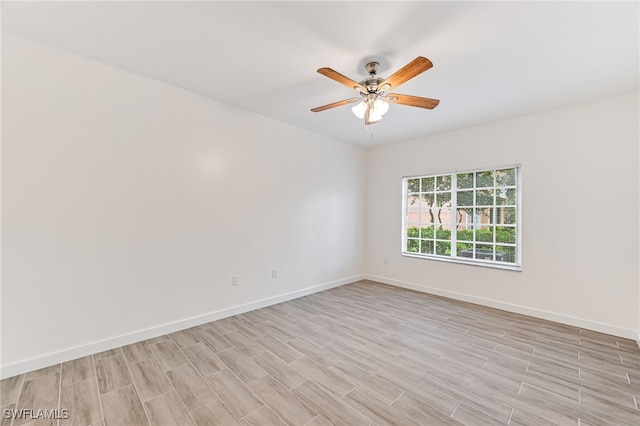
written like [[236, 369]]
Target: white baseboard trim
[[79, 351], [519, 309]]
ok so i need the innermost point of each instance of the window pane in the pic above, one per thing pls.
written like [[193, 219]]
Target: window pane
[[485, 234], [465, 250], [443, 183], [427, 184], [428, 199], [465, 235], [505, 196], [413, 231], [413, 185], [413, 245], [484, 252], [464, 216], [443, 233], [415, 214], [505, 234], [512, 193], [465, 180], [484, 179], [483, 216], [506, 254], [465, 198], [507, 215], [484, 197], [413, 201], [427, 232], [443, 248], [506, 177], [426, 247], [442, 216], [443, 199]]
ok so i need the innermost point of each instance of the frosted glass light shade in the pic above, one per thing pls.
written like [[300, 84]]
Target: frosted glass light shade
[[374, 116], [380, 107], [359, 109]]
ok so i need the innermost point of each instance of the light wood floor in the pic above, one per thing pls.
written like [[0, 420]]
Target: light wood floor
[[361, 354]]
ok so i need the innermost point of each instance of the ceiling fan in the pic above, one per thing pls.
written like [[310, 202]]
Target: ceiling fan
[[373, 100]]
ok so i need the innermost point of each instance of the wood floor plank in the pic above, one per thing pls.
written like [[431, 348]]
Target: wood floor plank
[[382, 388], [317, 353], [10, 389], [40, 392], [212, 340], [203, 359], [243, 366], [236, 395], [245, 344], [280, 370], [330, 380], [6, 420], [423, 413], [123, 407], [262, 417], [192, 389], [215, 413], [431, 394], [363, 353], [150, 379], [184, 338], [380, 412], [78, 370], [168, 354], [283, 402], [280, 349], [328, 406], [82, 400], [112, 373], [137, 352], [168, 410]]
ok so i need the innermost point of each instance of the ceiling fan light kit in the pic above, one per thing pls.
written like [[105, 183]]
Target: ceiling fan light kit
[[374, 100]]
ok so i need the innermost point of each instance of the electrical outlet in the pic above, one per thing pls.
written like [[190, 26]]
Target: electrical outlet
[[274, 273], [234, 280]]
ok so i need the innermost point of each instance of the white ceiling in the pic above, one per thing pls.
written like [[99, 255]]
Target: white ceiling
[[492, 60]]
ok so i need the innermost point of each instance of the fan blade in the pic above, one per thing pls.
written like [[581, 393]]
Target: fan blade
[[335, 104], [412, 69], [414, 101], [335, 75]]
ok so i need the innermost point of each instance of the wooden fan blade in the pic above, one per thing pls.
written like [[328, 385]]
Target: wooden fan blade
[[414, 101], [412, 69], [335, 75], [335, 104]]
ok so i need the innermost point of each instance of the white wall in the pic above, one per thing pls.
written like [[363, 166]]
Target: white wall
[[579, 220], [128, 205]]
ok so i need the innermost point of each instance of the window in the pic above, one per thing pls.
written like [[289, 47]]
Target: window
[[470, 217]]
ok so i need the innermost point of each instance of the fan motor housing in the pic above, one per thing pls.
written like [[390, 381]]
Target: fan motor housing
[[371, 83]]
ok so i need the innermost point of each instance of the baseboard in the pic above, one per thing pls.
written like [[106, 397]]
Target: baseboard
[[519, 309], [72, 353]]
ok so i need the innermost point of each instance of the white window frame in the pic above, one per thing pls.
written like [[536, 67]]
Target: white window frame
[[517, 265]]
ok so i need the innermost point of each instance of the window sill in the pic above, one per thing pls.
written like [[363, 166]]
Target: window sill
[[494, 265]]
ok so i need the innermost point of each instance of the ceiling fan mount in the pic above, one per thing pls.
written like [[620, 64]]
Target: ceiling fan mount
[[373, 103], [372, 67]]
